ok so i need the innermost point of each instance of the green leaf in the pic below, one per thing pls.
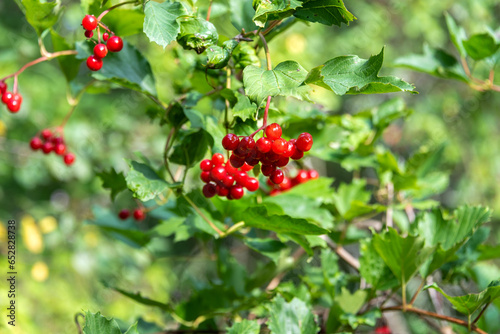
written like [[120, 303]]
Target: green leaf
[[113, 181], [435, 62], [260, 218], [125, 22], [351, 302], [218, 56], [243, 108], [294, 317], [245, 55], [373, 268], [132, 329], [244, 327], [457, 34], [403, 255], [472, 302], [96, 323], [267, 247], [128, 68], [318, 189], [241, 15], [160, 21], [142, 300], [266, 10], [197, 34], [353, 75], [350, 199], [286, 80], [480, 46], [41, 15], [143, 181], [191, 148], [69, 64], [329, 12], [389, 111]]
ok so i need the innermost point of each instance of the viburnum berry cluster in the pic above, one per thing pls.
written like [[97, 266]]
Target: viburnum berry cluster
[[12, 100], [138, 214], [47, 141], [225, 180], [113, 43], [272, 151], [288, 183]]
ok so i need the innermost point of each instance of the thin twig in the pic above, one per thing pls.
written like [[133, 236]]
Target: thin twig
[[202, 215], [417, 292], [113, 7], [78, 323], [209, 10], [266, 50], [480, 313], [390, 198], [344, 255], [277, 279]]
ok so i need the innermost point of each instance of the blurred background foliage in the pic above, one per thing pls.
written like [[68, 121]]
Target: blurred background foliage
[[61, 261]]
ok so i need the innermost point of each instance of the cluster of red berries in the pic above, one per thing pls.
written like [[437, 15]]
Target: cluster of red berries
[[138, 214], [11, 100], [50, 142], [271, 151], [288, 183], [113, 43], [225, 180]]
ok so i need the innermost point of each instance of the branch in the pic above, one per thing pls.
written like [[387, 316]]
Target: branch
[[202, 215], [434, 315], [277, 279], [344, 255], [266, 50]]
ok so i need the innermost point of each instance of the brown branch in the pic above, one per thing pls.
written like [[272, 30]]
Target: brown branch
[[342, 253], [202, 215], [480, 313], [266, 50], [434, 315], [417, 292], [277, 279]]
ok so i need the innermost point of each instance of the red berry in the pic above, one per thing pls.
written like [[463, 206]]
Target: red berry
[[302, 176], [14, 105], [230, 169], [313, 174], [236, 161], [89, 33], [69, 158], [236, 192], [277, 176], [304, 142], [222, 191], [286, 184], [3, 87], [47, 147], [279, 146], [205, 177], [218, 173], [46, 133], [6, 97], [60, 149], [383, 330], [57, 140], [114, 44], [250, 161], [209, 190], [105, 36], [94, 63], [239, 152], [206, 165], [89, 22], [230, 142], [298, 154], [217, 159], [271, 156], [246, 144], [275, 192], [282, 162], [264, 145], [252, 184], [100, 50], [267, 170], [273, 131], [241, 178], [124, 214], [246, 168], [36, 143], [139, 214], [228, 181], [289, 149]]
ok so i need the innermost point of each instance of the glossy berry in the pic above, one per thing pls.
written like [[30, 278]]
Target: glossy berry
[[246, 144], [217, 159], [206, 165], [286, 184], [236, 161], [302, 176], [277, 176], [282, 162], [94, 63], [273, 131], [230, 142], [89, 22], [239, 152], [267, 170], [252, 184], [222, 191], [228, 181], [313, 174], [105, 36], [279, 146], [60, 149], [241, 177], [246, 167], [14, 105], [47, 147], [36, 143], [69, 158], [139, 214], [209, 190], [298, 154], [89, 33], [114, 44], [3, 87], [230, 169], [100, 50], [264, 145], [6, 97], [46, 134], [304, 142], [289, 149], [205, 177], [236, 192], [218, 173], [383, 330], [124, 214]]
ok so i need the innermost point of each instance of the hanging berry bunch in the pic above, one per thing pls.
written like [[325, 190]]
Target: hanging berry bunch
[[49, 142], [12, 100], [225, 180]]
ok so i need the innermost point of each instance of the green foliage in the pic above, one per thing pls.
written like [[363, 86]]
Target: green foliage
[[96, 323], [244, 327], [292, 317], [144, 182], [41, 15], [160, 21], [197, 34]]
